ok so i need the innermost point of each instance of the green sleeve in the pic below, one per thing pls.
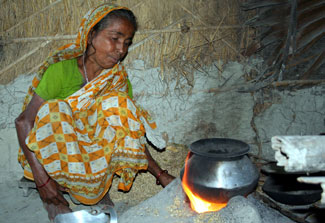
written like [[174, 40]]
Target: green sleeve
[[50, 84]]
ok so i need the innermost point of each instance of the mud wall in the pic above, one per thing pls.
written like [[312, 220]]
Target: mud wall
[[187, 113]]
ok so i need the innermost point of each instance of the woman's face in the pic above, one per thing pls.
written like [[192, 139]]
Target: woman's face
[[111, 44]]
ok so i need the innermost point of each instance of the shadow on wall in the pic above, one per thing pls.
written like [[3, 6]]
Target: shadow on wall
[[207, 129], [226, 115]]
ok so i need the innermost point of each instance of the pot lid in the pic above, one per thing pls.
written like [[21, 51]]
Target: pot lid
[[221, 148]]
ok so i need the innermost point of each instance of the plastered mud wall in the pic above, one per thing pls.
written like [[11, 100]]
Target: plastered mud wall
[[187, 113]]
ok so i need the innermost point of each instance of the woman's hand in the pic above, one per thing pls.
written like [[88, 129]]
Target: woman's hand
[[165, 179], [51, 193], [162, 176]]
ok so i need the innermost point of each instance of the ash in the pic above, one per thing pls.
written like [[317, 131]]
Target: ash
[[170, 205]]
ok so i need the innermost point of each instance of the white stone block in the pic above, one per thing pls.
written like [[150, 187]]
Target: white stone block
[[300, 153]]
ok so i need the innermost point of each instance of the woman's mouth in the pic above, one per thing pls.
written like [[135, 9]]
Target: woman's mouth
[[114, 60]]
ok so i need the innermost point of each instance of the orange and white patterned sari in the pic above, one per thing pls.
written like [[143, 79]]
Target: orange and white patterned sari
[[97, 132]]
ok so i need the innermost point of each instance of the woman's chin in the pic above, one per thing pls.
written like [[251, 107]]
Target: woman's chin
[[109, 65]]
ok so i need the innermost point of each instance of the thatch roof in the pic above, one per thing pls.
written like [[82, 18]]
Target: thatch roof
[[178, 36]]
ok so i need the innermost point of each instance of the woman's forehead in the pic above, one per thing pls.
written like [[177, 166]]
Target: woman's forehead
[[120, 26]]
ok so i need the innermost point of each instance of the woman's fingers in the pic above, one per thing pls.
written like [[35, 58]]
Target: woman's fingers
[[51, 193], [62, 199], [54, 201]]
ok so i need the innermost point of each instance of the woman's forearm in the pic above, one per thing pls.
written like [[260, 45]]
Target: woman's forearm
[[23, 127], [24, 123], [153, 167]]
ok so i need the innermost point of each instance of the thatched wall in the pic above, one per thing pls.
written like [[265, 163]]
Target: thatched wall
[[179, 36]]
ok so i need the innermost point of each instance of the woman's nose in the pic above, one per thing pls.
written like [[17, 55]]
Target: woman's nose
[[120, 48]]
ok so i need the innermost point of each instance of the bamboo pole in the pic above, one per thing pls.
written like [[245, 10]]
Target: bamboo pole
[[297, 82], [37, 39], [31, 16], [34, 69], [259, 85], [136, 5], [134, 46], [248, 87], [140, 32], [25, 56]]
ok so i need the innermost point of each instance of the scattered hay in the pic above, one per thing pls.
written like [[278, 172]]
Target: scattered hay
[[144, 187]]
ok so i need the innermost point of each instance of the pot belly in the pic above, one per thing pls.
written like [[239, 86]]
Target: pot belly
[[218, 181]]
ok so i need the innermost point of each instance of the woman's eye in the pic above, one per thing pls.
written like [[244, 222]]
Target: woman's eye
[[127, 43], [114, 38]]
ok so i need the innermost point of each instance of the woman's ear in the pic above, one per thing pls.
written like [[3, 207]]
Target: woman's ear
[[90, 37]]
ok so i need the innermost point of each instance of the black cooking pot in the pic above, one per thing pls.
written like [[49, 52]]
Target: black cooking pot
[[283, 187], [289, 191], [218, 169]]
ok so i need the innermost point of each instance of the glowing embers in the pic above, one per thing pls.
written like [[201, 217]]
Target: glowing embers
[[198, 203]]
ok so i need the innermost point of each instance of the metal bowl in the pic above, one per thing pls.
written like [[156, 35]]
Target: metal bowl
[[86, 216]]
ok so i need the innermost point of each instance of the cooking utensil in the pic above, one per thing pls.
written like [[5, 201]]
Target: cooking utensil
[[274, 169], [84, 216], [287, 190], [220, 148], [219, 169]]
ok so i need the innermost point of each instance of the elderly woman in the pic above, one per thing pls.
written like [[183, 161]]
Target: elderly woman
[[80, 125]]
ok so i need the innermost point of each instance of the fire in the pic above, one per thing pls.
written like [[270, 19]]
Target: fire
[[198, 204]]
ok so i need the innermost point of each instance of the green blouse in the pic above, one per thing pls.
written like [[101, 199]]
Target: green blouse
[[62, 79]]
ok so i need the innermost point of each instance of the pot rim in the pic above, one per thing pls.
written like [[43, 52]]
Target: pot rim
[[219, 148]]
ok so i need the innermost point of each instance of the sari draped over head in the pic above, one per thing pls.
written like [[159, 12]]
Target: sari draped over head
[[97, 132]]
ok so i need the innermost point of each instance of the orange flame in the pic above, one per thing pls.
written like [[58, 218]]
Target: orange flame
[[198, 204]]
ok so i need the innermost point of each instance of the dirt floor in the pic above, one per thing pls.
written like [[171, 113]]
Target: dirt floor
[[17, 208]]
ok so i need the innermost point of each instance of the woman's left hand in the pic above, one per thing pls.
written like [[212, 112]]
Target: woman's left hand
[[165, 179], [162, 176]]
